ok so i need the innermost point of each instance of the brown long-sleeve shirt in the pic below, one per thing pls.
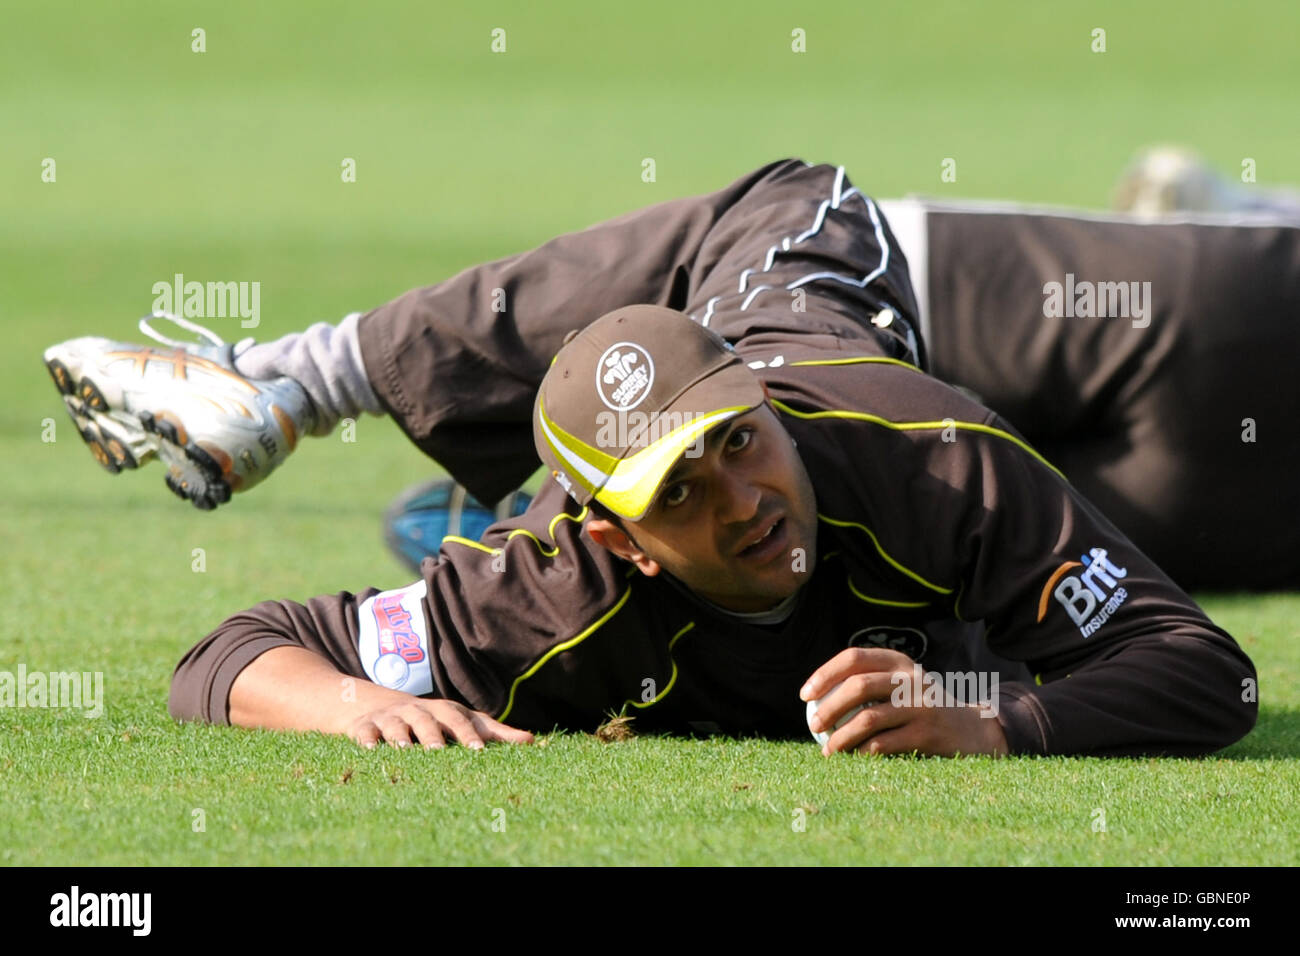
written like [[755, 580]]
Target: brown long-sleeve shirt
[[941, 531]]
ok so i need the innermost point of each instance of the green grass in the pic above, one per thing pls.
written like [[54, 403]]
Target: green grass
[[269, 798], [226, 165]]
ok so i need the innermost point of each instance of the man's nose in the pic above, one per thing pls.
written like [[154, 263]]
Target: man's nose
[[738, 500]]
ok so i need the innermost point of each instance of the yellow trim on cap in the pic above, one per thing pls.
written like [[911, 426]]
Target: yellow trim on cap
[[632, 487], [627, 486], [588, 466]]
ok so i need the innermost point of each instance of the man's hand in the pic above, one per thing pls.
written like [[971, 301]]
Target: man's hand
[[292, 688], [431, 722], [872, 674]]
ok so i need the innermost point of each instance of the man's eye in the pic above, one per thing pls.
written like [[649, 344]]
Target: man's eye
[[675, 495], [743, 434]]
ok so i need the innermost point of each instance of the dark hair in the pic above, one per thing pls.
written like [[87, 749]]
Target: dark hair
[[600, 511]]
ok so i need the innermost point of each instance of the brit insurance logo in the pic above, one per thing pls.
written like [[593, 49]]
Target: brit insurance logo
[[624, 375], [1089, 597]]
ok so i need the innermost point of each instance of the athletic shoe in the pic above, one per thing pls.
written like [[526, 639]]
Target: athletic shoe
[[1169, 179], [217, 431], [422, 515]]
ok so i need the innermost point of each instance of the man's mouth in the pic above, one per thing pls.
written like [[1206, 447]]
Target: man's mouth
[[766, 543]]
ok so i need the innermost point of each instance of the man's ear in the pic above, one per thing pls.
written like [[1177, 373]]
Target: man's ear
[[613, 538]]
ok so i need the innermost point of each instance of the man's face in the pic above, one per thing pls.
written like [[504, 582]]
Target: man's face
[[737, 525]]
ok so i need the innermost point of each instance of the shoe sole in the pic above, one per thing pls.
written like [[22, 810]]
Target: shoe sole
[[119, 440]]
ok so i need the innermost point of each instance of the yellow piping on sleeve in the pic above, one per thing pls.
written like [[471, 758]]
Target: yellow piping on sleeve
[[920, 426], [871, 600], [560, 649], [885, 554], [858, 360], [550, 530]]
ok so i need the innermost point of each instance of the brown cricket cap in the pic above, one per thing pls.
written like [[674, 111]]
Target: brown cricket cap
[[631, 394]]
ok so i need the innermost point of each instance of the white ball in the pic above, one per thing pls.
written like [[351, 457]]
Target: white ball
[[822, 736]]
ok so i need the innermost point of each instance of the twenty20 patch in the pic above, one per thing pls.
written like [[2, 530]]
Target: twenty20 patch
[[394, 641]]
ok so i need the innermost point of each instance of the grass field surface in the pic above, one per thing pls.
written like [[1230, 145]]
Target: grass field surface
[[226, 164]]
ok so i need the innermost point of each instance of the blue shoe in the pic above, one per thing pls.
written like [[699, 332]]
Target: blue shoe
[[422, 515]]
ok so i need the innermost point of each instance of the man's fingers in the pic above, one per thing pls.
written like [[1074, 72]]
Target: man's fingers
[[866, 725], [430, 723], [851, 660], [427, 730], [462, 728], [902, 739], [397, 732], [856, 690], [365, 732], [493, 729]]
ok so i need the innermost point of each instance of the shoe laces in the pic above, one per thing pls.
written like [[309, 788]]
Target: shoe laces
[[185, 324]]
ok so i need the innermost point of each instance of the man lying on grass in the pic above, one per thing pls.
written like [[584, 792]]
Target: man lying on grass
[[759, 499]]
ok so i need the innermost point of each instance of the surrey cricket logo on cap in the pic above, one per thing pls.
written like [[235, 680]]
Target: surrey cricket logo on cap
[[618, 445], [624, 376]]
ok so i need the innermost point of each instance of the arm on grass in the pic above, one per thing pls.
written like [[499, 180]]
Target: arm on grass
[[463, 641], [287, 666], [291, 688]]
